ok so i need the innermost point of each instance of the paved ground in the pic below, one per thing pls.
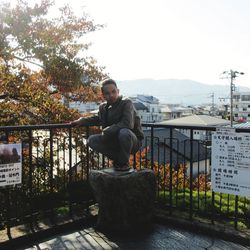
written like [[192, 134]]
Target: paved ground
[[160, 237]]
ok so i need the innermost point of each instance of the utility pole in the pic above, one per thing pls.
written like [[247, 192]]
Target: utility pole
[[232, 74], [213, 108]]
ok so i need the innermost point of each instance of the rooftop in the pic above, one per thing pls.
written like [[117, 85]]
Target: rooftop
[[148, 99], [197, 120], [140, 106], [242, 125], [180, 146]]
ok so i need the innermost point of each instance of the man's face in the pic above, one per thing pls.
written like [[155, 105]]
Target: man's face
[[110, 93]]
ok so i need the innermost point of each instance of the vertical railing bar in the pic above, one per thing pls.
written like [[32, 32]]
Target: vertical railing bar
[[171, 171], [23, 173], [98, 159], [76, 155], [70, 171], [164, 169], [58, 157], [51, 159], [146, 155], [45, 160], [184, 169], [236, 212], [158, 170], [140, 158], [103, 160], [87, 154], [70, 155], [191, 176], [206, 151], [7, 198], [177, 179], [81, 158], [213, 194], [30, 179], [108, 162], [228, 203], [213, 208], [134, 161], [198, 207], [64, 162], [220, 201], [37, 157], [245, 208], [152, 147]]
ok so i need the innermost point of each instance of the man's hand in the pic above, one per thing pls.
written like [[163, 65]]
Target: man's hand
[[77, 123]]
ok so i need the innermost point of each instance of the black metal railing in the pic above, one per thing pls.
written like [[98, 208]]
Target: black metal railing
[[56, 162], [54, 188], [182, 164]]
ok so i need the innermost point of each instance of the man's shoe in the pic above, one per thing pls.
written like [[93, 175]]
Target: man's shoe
[[121, 167]]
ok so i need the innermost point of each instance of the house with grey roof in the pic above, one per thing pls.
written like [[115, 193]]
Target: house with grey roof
[[197, 120], [179, 150]]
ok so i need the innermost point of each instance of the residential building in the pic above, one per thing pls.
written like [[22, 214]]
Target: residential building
[[174, 111], [148, 108], [151, 110], [241, 106]]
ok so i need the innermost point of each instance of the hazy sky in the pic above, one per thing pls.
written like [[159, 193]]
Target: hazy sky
[[182, 39]]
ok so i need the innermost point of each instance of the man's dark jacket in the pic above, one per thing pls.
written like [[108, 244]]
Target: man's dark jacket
[[112, 118]]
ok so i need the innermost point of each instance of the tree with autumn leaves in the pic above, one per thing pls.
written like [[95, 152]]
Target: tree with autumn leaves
[[41, 63]]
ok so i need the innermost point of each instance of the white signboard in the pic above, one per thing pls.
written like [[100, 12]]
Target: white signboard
[[10, 164], [231, 162]]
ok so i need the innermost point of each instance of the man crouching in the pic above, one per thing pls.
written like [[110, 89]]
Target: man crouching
[[121, 127]]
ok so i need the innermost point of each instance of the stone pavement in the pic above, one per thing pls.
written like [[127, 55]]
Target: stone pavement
[[160, 237]]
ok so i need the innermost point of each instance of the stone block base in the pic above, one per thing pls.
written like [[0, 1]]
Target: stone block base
[[126, 200]]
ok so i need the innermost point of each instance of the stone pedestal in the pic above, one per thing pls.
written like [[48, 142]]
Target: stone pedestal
[[126, 199]]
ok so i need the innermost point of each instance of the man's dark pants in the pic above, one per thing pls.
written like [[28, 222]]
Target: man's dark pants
[[117, 148]]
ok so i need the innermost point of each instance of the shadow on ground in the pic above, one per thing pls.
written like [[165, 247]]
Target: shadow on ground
[[158, 237]]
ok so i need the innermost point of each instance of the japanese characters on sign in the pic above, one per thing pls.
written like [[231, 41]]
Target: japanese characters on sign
[[10, 164], [231, 162]]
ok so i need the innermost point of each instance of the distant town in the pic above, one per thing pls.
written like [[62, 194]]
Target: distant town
[[151, 110]]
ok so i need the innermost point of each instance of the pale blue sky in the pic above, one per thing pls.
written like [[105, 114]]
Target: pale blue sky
[[182, 39]]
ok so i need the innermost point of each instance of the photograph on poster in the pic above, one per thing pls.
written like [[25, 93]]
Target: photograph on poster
[[10, 164], [10, 153]]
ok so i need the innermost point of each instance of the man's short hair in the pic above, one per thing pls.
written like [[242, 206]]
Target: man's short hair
[[106, 82]]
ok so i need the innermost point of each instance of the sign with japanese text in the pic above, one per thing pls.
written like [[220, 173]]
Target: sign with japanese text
[[10, 164], [230, 171]]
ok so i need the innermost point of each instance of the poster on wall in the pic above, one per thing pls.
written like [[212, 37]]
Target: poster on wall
[[230, 170], [10, 164]]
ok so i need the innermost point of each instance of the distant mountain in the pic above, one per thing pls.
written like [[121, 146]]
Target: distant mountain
[[177, 91]]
